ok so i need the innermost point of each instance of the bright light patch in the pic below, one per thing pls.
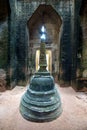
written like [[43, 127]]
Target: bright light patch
[[43, 36], [48, 59], [43, 29]]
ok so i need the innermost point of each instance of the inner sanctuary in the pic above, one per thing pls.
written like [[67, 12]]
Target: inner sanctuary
[[43, 64]]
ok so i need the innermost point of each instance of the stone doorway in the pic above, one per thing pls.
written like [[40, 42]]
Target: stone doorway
[[52, 23]]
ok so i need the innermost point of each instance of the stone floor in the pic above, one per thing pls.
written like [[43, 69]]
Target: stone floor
[[74, 116]]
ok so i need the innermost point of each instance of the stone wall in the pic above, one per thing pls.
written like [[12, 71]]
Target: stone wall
[[3, 44], [2, 80], [3, 54], [21, 11], [80, 57], [84, 39], [76, 40], [82, 79]]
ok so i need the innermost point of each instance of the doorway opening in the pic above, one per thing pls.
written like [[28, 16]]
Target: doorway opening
[[53, 25], [48, 59]]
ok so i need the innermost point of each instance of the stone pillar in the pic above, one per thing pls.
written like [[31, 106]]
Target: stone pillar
[[18, 43], [65, 44], [75, 41], [84, 45], [12, 44]]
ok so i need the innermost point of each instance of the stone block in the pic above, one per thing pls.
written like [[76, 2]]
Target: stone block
[[85, 73], [2, 80]]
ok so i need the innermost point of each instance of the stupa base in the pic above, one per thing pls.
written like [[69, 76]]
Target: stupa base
[[41, 106]]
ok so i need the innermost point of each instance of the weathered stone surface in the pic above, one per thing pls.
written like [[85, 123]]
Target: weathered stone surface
[[2, 80], [84, 75], [41, 102], [84, 38], [3, 44], [21, 11]]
